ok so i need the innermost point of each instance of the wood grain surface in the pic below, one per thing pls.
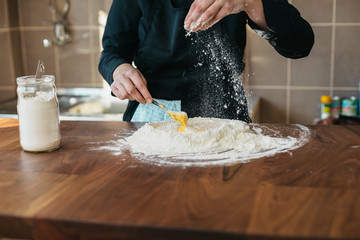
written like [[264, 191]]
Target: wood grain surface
[[78, 192]]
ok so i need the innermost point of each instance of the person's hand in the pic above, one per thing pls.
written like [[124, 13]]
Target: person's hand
[[205, 13], [130, 84]]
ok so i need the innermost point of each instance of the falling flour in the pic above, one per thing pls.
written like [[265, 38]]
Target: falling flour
[[207, 141], [217, 72]]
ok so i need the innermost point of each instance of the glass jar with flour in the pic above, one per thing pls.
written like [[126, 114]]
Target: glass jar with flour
[[38, 111]]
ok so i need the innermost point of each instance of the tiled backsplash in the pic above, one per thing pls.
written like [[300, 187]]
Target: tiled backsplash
[[290, 89], [22, 30]]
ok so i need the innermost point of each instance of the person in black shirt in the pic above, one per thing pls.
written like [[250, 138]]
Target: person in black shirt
[[192, 70]]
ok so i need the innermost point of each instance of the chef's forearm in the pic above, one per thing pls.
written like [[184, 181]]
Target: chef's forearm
[[290, 34], [120, 40], [255, 11]]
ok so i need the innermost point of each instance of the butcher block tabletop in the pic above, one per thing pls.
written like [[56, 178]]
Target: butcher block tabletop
[[84, 190]]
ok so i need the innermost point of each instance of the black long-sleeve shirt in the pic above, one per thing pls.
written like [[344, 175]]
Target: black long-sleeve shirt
[[151, 34]]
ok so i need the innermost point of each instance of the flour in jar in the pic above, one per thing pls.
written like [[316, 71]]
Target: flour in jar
[[38, 121], [210, 141]]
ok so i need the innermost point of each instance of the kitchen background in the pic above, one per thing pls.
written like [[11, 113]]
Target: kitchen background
[[290, 90]]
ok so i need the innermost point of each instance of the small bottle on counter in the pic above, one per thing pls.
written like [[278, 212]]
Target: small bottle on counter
[[335, 107], [359, 101], [325, 107], [38, 111], [349, 106]]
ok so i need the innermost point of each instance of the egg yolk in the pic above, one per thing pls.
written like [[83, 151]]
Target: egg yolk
[[181, 117]]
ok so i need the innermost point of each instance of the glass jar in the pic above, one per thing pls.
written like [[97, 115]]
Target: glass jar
[[38, 111]]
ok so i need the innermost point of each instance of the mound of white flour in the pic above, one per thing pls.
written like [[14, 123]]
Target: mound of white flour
[[209, 141]]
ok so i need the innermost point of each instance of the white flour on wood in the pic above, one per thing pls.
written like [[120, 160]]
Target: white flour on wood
[[208, 141]]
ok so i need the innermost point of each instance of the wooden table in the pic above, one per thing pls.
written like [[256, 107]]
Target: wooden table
[[78, 193]]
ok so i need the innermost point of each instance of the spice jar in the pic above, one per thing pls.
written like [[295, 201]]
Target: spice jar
[[325, 107], [38, 111]]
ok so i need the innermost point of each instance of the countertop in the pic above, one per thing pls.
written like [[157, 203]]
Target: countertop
[[77, 192]]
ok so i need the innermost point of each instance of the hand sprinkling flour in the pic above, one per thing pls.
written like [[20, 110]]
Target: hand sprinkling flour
[[204, 14]]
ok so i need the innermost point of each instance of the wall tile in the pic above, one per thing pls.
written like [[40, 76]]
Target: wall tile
[[96, 53], [13, 10], [4, 20], [99, 81], [347, 11], [103, 5], [5, 63], [347, 56], [78, 13], [96, 40], [315, 11], [346, 93], [314, 70], [17, 65], [34, 12], [7, 94], [267, 66], [305, 105], [74, 59], [34, 50], [272, 105]]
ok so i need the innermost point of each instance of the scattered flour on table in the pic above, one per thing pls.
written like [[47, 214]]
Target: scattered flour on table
[[207, 141]]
